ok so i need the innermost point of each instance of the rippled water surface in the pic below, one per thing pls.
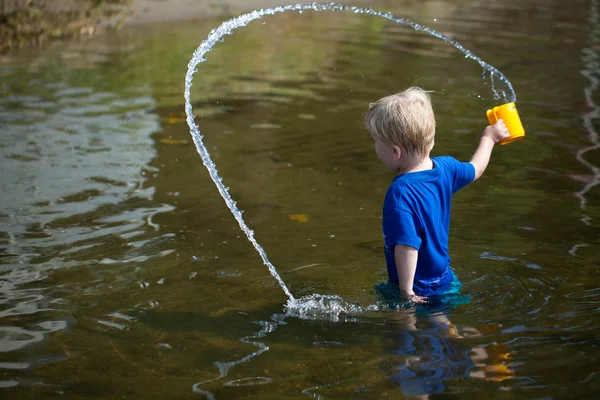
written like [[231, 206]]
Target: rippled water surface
[[123, 273]]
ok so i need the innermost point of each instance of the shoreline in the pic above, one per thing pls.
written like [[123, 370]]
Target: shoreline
[[29, 23], [26, 23], [150, 11]]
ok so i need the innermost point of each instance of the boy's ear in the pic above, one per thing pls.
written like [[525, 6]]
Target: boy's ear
[[397, 152]]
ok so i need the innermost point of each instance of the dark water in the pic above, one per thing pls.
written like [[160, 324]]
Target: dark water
[[123, 274]]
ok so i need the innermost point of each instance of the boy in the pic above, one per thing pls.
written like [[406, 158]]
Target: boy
[[416, 210]]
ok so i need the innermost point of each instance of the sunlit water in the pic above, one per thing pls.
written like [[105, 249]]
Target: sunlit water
[[124, 273]]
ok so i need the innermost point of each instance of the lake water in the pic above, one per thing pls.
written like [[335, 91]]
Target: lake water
[[123, 273]]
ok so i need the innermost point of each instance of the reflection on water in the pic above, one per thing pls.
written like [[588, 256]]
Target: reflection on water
[[74, 166], [224, 367], [122, 272], [590, 71], [426, 350]]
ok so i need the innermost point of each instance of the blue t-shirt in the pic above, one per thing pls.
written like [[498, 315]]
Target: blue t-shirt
[[416, 213]]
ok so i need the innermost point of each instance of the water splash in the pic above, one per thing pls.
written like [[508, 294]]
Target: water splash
[[306, 306], [326, 307]]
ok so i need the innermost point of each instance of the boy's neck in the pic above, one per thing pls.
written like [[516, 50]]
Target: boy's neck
[[415, 164]]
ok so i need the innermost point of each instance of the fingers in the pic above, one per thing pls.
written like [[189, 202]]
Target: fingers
[[418, 299], [502, 130]]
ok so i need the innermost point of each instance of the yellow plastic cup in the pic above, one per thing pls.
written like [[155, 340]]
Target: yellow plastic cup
[[508, 113]]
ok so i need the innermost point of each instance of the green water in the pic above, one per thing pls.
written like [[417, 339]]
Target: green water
[[123, 273]]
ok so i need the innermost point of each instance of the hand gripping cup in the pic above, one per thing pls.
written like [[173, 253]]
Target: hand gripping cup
[[508, 113]]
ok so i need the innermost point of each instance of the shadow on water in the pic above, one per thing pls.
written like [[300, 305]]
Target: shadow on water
[[122, 272]]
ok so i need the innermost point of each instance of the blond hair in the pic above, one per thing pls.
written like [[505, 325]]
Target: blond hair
[[403, 119]]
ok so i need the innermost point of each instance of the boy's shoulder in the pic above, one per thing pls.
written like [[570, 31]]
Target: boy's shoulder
[[448, 175], [445, 160], [450, 165], [457, 173]]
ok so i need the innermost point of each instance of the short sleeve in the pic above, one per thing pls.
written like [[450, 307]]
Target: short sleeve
[[464, 173], [399, 227]]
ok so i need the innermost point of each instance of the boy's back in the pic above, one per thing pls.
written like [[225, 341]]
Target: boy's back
[[416, 213]]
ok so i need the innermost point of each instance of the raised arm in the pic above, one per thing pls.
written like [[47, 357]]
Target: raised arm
[[491, 135], [406, 265]]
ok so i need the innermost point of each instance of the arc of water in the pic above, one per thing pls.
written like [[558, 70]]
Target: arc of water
[[226, 28]]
